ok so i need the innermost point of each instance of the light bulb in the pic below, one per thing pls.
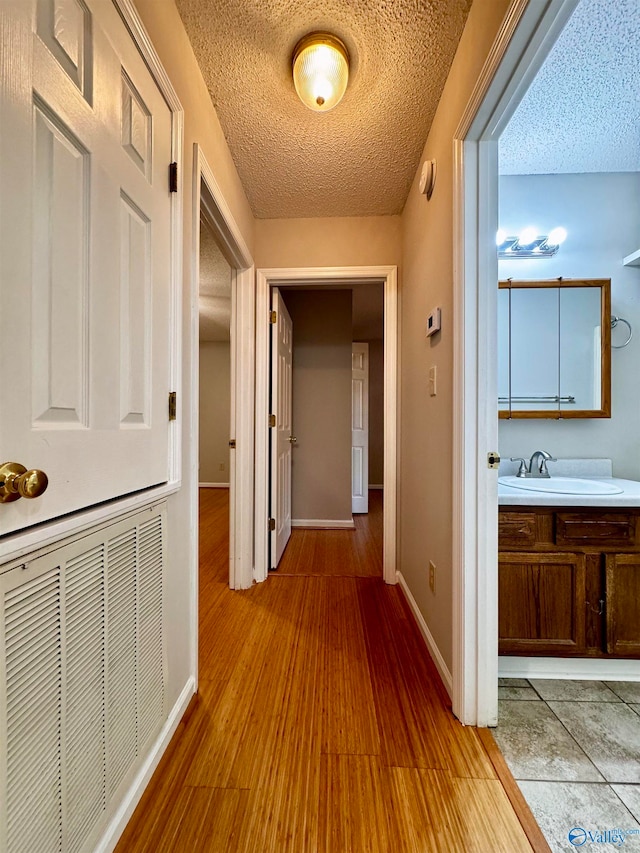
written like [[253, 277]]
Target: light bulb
[[557, 237], [527, 236], [501, 236]]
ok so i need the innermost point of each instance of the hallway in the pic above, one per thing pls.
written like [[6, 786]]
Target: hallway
[[321, 725]]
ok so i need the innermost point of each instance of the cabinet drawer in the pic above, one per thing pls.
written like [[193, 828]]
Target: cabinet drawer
[[517, 528], [526, 529], [575, 528]]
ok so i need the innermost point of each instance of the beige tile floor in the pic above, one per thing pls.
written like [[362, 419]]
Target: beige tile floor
[[574, 749]]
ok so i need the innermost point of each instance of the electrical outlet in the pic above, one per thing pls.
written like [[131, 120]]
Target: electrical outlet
[[432, 577], [221, 467]]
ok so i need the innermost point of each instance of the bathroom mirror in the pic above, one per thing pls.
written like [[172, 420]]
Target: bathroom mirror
[[554, 348]]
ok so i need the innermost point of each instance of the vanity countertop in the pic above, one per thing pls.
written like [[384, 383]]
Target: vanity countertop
[[589, 469], [630, 496]]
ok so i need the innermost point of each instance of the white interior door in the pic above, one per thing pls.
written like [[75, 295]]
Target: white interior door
[[281, 436], [360, 428], [85, 145]]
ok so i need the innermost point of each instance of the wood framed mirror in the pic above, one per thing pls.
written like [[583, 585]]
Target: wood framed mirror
[[554, 348]]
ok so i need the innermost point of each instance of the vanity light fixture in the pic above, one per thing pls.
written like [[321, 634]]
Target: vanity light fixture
[[320, 71], [529, 244]]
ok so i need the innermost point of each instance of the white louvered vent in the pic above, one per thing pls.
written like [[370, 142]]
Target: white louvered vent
[[85, 699], [82, 683], [122, 676], [33, 654], [150, 660]]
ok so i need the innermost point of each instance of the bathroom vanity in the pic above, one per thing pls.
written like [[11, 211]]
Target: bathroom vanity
[[569, 570]]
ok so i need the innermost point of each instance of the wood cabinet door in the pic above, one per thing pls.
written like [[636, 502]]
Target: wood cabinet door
[[623, 604], [541, 603]]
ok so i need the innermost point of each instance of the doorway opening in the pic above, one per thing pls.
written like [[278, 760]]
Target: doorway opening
[[222, 408], [326, 438], [324, 280], [527, 35], [215, 426]]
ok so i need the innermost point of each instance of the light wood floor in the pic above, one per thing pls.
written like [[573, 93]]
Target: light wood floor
[[321, 725], [346, 553]]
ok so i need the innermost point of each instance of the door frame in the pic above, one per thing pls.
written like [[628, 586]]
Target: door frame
[[237, 254], [327, 276], [529, 30], [48, 534]]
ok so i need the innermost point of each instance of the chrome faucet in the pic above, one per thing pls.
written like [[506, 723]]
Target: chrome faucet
[[537, 464]]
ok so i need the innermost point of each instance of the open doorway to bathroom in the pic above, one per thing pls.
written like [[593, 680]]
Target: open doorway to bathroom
[[569, 557]]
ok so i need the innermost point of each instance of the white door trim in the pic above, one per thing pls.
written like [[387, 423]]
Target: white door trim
[[529, 30], [265, 279], [236, 252]]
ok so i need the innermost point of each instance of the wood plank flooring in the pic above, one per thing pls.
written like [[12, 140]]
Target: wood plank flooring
[[343, 553], [321, 726]]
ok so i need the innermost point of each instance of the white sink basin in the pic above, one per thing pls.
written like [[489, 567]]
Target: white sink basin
[[561, 485]]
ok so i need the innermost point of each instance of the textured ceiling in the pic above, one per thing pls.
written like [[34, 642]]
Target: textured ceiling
[[360, 158], [582, 112], [214, 296]]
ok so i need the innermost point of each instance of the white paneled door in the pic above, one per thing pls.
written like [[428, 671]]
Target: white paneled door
[[85, 147], [360, 427], [281, 435]]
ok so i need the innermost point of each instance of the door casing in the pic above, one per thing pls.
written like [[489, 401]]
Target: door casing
[[528, 32], [208, 197], [329, 277]]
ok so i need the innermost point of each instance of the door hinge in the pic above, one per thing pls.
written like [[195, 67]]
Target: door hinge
[[493, 459], [173, 405], [273, 317], [173, 177], [272, 420], [272, 524]]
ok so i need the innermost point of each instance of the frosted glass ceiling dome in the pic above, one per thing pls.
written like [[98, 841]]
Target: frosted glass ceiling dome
[[320, 71]]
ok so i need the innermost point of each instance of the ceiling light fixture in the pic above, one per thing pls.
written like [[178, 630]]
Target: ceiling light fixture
[[320, 71], [529, 244]]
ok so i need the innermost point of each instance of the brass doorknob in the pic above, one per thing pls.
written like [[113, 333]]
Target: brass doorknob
[[16, 482], [293, 439]]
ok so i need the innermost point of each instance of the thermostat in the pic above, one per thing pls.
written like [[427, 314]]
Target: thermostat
[[433, 322]]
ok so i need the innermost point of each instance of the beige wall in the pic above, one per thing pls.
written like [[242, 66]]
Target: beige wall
[[427, 422], [215, 410], [161, 19], [333, 242], [321, 465]]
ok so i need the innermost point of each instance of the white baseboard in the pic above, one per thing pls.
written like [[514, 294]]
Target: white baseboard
[[376, 486], [119, 821], [572, 669], [324, 523], [434, 651], [213, 485]]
